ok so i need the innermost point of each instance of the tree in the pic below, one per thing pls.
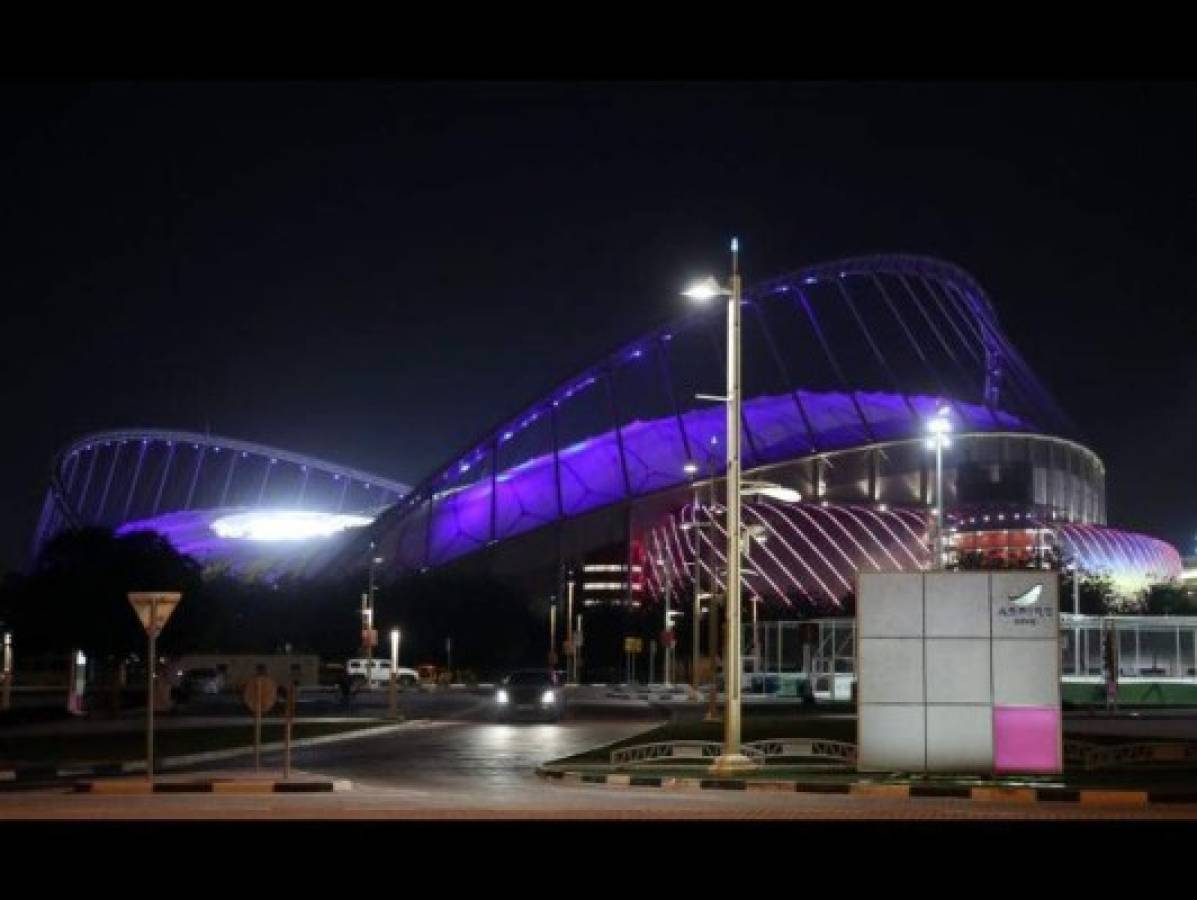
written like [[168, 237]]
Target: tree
[[1170, 599]]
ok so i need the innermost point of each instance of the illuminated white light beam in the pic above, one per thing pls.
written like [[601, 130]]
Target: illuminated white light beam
[[281, 525]]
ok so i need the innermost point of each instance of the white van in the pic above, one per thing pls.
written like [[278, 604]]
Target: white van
[[380, 672]]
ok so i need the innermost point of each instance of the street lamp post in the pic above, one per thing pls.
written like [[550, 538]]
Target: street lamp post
[[691, 470], [6, 673], [939, 428], [553, 634], [756, 639], [394, 710], [732, 759], [571, 675], [368, 635]]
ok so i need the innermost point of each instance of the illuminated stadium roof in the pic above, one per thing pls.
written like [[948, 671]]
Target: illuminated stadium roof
[[229, 503]]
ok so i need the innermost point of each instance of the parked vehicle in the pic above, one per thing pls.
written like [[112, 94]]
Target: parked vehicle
[[379, 673], [202, 681], [532, 694]]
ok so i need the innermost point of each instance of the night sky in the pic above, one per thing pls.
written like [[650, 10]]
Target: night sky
[[374, 273]]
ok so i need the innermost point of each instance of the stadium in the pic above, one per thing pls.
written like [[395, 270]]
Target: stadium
[[617, 469], [615, 474], [240, 508]]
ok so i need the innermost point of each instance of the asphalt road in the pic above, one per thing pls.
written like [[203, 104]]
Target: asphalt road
[[459, 763]]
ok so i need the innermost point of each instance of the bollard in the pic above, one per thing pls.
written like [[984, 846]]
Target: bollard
[[287, 731]]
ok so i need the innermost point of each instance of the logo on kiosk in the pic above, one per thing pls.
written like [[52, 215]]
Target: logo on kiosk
[[1025, 608], [1029, 598]]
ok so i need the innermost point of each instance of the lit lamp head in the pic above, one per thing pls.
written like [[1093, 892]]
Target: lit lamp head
[[690, 468], [940, 429], [772, 491], [706, 289]]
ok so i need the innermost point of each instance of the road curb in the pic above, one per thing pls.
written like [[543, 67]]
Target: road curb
[[42, 774], [982, 794], [212, 786]]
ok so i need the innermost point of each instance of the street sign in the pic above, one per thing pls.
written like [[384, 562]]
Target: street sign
[[154, 608], [370, 637], [633, 645], [260, 694]]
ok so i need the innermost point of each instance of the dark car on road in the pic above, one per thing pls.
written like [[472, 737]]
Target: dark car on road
[[530, 694]]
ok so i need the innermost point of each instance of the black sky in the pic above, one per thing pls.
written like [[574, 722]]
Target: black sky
[[374, 272]]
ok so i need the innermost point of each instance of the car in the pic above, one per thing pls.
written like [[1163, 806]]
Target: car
[[379, 673], [530, 694], [202, 681]]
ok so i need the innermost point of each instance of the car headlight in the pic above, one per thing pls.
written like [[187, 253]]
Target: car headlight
[[500, 696], [548, 697]]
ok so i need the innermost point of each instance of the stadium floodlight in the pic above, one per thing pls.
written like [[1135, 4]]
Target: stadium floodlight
[[284, 525]]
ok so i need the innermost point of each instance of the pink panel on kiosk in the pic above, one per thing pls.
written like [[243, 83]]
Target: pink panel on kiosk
[[1026, 739]]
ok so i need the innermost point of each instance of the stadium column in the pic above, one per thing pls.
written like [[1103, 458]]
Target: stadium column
[[494, 488], [787, 377], [116, 455], [91, 466], [609, 377], [265, 480], [667, 378], [170, 458], [932, 372], [947, 348], [74, 470], [882, 361], [133, 484], [199, 462], [303, 488], [344, 491], [835, 366], [228, 478]]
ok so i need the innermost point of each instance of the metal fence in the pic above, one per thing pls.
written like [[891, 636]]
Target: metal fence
[[1149, 647]]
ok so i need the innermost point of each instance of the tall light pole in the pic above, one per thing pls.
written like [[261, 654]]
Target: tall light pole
[[732, 759], [571, 662], [553, 634], [6, 673], [394, 672], [939, 428], [368, 635], [691, 469]]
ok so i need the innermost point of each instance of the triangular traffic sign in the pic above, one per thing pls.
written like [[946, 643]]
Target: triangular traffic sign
[[154, 608]]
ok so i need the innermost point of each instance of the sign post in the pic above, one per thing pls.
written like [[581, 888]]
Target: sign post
[[287, 731], [6, 673], [153, 608], [260, 695]]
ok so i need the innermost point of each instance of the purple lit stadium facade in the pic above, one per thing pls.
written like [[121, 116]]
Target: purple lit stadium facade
[[843, 364]]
